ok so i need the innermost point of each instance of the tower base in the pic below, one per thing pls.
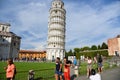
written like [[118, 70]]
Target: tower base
[[52, 54]]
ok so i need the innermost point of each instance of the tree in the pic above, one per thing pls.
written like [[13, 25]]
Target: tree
[[86, 48], [70, 52], [99, 47], [66, 53], [94, 47], [76, 50], [104, 46]]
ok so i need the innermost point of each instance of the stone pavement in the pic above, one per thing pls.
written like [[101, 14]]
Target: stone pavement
[[111, 74]]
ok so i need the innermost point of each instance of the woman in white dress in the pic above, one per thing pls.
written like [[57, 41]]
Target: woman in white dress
[[89, 66]]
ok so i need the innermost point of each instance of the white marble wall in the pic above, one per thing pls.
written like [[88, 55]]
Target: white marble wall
[[9, 42], [56, 30]]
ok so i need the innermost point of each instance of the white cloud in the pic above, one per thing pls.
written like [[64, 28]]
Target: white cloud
[[32, 15], [88, 24], [33, 19]]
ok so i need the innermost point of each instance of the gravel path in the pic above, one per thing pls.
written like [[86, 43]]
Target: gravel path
[[111, 74]]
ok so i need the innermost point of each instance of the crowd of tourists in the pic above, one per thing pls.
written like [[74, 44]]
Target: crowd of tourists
[[63, 68], [91, 70], [58, 71], [92, 73], [26, 59]]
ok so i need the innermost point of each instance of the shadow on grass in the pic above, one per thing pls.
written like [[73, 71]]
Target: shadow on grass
[[39, 78]]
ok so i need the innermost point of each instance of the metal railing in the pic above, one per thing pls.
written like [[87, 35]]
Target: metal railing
[[43, 74]]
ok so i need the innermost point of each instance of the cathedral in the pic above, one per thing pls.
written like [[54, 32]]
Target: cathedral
[[9, 42], [56, 30]]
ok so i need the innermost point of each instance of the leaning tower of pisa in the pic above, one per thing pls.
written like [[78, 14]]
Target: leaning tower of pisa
[[56, 30]]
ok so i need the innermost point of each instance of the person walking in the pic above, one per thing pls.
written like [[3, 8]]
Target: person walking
[[94, 75], [89, 66], [10, 70], [75, 62], [75, 66], [99, 61], [58, 70], [67, 65]]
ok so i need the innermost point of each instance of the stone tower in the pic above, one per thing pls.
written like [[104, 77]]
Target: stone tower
[[56, 30]]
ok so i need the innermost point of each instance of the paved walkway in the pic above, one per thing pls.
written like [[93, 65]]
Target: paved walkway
[[111, 74]]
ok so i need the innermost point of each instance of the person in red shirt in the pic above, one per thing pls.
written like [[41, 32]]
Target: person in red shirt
[[10, 70], [66, 69]]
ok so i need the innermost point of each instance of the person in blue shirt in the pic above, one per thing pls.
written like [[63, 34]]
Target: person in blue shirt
[[75, 62], [75, 66], [58, 70]]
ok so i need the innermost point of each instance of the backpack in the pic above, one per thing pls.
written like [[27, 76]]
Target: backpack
[[15, 71], [99, 59]]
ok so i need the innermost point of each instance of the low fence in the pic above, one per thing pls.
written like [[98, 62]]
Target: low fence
[[114, 61], [44, 74]]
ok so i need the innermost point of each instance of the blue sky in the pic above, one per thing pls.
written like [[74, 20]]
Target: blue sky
[[88, 22]]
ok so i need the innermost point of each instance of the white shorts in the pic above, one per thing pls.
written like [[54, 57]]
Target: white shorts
[[76, 70]]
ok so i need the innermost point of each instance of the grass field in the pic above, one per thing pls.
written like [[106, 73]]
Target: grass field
[[24, 67]]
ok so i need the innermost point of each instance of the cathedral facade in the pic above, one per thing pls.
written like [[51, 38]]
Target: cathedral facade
[[9, 42]]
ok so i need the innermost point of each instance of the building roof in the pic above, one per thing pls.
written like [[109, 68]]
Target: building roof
[[10, 34], [118, 36], [58, 0], [7, 24], [31, 51]]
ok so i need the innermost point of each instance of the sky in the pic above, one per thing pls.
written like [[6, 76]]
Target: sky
[[88, 22]]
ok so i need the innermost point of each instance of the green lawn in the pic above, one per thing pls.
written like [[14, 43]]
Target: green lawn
[[24, 67]]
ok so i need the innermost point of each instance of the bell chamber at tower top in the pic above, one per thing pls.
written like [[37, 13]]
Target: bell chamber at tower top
[[57, 4]]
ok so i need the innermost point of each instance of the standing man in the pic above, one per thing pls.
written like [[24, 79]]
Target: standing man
[[99, 61], [58, 70]]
